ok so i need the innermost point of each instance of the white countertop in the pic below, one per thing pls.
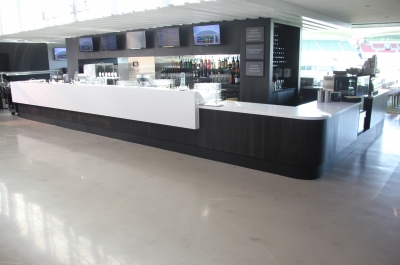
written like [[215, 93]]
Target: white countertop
[[309, 111], [156, 105]]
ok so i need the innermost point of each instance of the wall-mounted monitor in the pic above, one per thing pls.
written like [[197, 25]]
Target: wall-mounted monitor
[[109, 42], [60, 54], [168, 37], [206, 35], [86, 44], [136, 39]]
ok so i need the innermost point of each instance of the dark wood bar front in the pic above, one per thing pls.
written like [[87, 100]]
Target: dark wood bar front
[[295, 147]]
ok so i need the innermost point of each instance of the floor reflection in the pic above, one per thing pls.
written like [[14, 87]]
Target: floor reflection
[[50, 235]]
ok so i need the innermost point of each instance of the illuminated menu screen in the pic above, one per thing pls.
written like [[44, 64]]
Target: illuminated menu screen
[[168, 37], [86, 44], [109, 42], [136, 40], [60, 54], [206, 35]]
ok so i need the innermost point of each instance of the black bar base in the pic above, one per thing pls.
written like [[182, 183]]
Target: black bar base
[[274, 167]]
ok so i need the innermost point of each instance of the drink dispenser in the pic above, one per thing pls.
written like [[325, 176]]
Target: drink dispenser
[[183, 79]]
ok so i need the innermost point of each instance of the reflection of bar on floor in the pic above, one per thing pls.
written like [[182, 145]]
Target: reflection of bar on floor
[[395, 95]]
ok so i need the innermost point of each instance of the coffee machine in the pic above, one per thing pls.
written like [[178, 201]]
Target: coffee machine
[[351, 85]]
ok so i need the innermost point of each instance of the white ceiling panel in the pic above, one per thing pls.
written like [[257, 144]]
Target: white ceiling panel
[[312, 14], [354, 11]]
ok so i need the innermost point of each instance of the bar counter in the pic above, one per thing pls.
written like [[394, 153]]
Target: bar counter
[[309, 111], [301, 142]]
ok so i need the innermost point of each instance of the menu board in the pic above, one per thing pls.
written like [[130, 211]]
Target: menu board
[[60, 54], [168, 37], [255, 34], [254, 68], [86, 44], [255, 51], [206, 35], [136, 40], [109, 42]]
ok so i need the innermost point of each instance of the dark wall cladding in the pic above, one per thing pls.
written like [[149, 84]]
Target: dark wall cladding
[[26, 57]]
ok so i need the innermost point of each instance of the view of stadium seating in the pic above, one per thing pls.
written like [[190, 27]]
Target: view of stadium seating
[[380, 47], [327, 45]]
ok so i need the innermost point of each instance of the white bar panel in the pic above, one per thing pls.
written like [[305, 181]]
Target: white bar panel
[[153, 105]]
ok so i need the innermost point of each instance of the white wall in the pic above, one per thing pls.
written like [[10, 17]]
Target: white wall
[[52, 63]]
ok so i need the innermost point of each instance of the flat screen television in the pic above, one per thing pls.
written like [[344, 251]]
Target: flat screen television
[[206, 35], [109, 42], [86, 44], [168, 37], [136, 39], [60, 54]]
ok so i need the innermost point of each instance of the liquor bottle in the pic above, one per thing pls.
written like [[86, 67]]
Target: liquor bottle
[[237, 76], [231, 78], [181, 63], [212, 65], [208, 67], [205, 67], [237, 62], [233, 62], [201, 63], [219, 63]]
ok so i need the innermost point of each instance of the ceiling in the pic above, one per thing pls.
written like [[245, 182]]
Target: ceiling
[[310, 14], [355, 12]]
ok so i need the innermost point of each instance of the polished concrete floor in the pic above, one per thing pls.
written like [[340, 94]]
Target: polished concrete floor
[[68, 197]]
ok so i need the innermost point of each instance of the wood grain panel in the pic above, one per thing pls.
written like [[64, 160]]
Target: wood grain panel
[[256, 89], [375, 108], [289, 141], [342, 131]]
